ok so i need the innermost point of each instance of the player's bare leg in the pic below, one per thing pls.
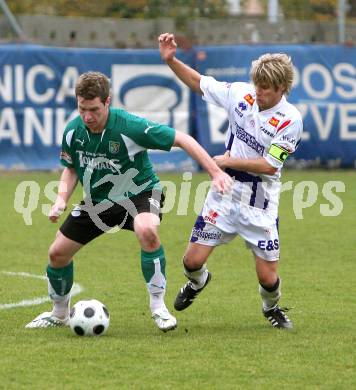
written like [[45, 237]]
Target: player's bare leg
[[195, 270], [153, 265], [270, 290]]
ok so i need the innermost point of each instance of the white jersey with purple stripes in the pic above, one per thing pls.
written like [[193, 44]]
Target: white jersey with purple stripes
[[251, 210], [273, 134]]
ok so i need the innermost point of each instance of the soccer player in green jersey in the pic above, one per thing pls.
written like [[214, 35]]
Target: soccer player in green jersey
[[106, 150]]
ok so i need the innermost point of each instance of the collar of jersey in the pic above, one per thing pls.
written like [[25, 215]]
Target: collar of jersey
[[111, 119], [274, 108]]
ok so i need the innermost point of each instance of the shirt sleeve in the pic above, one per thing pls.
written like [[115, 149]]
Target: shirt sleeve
[[65, 155], [285, 142], [148, 134], [215, 92]]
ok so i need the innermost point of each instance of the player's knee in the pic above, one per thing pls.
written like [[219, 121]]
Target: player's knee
[[268, 279], [148, 237], [57, 257], [266, 272], [193, 262]]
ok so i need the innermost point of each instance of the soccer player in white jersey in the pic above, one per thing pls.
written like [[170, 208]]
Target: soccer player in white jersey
[[263, 130]]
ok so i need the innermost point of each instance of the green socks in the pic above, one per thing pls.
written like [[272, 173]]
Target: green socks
[[61, 279]]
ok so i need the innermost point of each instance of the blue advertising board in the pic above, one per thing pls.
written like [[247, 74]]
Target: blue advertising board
[[324, 92], [37, 98]]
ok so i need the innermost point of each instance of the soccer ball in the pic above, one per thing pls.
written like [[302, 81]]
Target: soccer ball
[[89, 318]]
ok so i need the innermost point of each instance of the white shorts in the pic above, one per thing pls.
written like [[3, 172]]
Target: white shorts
[[222, 219]]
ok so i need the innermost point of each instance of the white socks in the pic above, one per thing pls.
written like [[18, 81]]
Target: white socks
[[270, 298], [60, 303], [197, 277], [157, 288]]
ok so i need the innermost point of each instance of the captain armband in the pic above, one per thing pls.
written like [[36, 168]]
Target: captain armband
[[278, 152]]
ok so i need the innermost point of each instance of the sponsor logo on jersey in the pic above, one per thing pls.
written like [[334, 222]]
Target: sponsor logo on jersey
[[280, 114], [292, 141], [242, 106], [200, 234], [238, 112], [250, 100], [148, 128], [283, 125], [114, 147], [266, 131], [268, 245], [211, 217], [66, 157], [198, 231], [91, 163], [80, 141], [273, 121], [249, 140]]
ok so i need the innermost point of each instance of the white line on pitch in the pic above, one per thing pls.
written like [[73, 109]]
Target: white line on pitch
[[76, 289]]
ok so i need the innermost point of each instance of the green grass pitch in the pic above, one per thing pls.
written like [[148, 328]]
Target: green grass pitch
[[222, 341]]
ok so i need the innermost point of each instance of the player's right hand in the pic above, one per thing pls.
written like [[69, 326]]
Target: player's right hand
[[56, 211], [167, 46]]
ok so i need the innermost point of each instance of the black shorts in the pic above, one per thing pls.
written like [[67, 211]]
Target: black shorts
[[84, 224]]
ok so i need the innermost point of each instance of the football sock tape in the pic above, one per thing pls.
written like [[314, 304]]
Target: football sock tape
[[271, 288]]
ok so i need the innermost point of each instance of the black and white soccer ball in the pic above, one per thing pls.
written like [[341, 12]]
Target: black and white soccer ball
[[89, 318]]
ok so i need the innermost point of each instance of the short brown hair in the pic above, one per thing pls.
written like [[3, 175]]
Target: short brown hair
[[275, 70], [91, 85]]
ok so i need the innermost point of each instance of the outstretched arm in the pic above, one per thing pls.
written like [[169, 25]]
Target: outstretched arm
[[220, 180], [67, 184], [168, 49]]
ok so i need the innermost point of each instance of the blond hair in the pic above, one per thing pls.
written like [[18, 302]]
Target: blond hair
[[91, 85], [274, 70]]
